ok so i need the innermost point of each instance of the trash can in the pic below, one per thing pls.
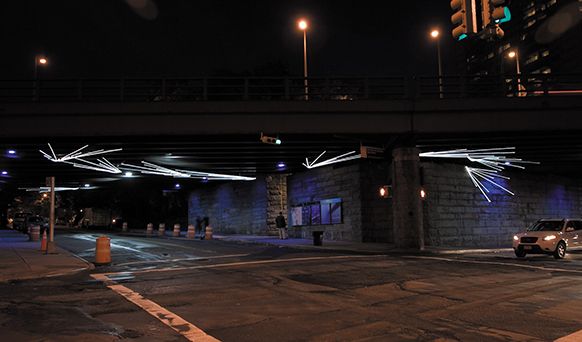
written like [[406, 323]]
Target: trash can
[[317, 238]]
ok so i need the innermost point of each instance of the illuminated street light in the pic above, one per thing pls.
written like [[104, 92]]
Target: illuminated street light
[[4, 173], [514, 54], [13, 152], [38, 60], [303, 26], [435, 34]]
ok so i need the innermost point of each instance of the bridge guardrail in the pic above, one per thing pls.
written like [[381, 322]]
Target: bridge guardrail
[[287, 88]]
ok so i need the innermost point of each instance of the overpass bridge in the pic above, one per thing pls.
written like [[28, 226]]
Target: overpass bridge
[[381, 105], [213, 125]]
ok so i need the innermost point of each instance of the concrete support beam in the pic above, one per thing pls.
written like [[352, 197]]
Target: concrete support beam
[[406, 201]]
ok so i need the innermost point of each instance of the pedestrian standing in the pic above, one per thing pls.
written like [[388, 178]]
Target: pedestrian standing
[[281, 226]]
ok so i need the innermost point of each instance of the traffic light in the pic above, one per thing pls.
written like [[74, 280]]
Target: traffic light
[[385, 191], [270, 140], [494, 12], [464, 18]]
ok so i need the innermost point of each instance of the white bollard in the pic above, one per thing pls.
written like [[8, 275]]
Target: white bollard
[[176, 232], [191, 232]]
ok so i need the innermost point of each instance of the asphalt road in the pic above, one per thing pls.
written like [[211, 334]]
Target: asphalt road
[[175, 290]]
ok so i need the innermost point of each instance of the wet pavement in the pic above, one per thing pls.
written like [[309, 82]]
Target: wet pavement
[[230, 291]]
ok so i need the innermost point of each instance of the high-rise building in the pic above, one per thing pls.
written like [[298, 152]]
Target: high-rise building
[[546, 35]]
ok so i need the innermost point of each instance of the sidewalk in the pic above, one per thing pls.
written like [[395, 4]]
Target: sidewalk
[[343, 246], [369, 247], [22, 259]]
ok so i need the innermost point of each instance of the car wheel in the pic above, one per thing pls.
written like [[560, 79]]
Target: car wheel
[[560, 252], [520, 253]]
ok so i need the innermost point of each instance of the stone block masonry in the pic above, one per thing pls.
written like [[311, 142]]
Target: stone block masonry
[[233, 208], [457, 214], [365, 216]]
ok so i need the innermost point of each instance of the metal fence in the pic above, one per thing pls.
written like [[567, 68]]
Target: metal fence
[[287, 88]]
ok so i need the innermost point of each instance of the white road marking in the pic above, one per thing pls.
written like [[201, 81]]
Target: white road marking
[[247, 263], [575, 337], [182, 259], [464, 261], [177, 323]]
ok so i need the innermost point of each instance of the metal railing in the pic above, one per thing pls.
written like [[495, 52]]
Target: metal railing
[[287, 88]]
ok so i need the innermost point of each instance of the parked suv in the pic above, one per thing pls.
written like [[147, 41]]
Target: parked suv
[[549, 236]]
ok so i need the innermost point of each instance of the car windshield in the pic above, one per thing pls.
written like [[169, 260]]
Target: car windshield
[[553, 226]]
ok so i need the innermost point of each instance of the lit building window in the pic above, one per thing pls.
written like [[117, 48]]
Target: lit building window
[[529, 23], [529, 13], [532, 58]]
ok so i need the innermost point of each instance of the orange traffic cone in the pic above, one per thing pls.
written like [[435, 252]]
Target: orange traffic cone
[[43, 242]]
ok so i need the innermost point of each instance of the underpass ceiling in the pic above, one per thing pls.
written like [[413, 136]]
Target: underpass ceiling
[[559, 153]]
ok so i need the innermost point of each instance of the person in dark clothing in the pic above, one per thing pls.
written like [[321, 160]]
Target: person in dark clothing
[[198, 227], [281, 226]]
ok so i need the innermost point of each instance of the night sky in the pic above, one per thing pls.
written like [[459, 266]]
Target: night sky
[[109, 38]]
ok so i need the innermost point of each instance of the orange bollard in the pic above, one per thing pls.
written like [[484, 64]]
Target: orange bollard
[[43, 242], [149, 229], [103, 251], [191, 232], [162, 229], [208, 233]]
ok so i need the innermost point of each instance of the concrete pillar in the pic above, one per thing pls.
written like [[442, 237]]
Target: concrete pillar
[[406, 201]]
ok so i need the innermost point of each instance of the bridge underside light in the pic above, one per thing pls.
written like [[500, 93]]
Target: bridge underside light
[[495, 160], [154, 169], [339, 159]]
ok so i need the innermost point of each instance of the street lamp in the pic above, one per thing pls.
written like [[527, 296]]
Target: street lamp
[[42, 61], [39, 60], [435, 34], [303, 26], [514, 54]]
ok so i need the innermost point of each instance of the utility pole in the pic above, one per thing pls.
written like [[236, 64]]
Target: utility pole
[[51, 241]]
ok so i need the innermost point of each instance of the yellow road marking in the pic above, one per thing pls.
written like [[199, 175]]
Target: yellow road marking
[[177, 323], [575, 337]]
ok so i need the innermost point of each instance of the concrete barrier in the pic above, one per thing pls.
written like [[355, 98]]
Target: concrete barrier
[[162, 229]]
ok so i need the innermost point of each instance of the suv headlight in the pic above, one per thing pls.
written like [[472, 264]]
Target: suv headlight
[[550, 237], [515, 238]]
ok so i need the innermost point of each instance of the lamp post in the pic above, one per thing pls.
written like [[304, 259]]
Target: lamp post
[[303, 26], [38, 61], [514, 54], [435, 34]]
